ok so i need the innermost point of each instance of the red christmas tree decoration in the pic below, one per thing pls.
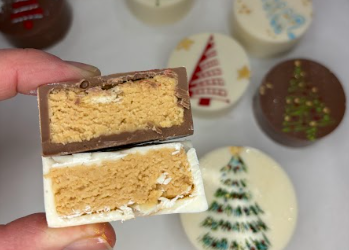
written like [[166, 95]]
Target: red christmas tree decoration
[[26, 11], [206, 82]]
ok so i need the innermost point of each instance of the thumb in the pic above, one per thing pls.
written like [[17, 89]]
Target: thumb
[[31, 233], [23, 70]]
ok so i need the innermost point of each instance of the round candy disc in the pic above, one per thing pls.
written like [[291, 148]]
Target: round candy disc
[[159, 12], [252, 203], [269, 27], [34, 23], [299, 101], [218, 70]]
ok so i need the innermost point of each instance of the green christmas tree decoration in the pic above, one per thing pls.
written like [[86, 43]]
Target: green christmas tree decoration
[[252, 226], [236, 211], [234, 183], [223, 193], [304, 111], [213, 243], [235, 165], [233, 211]]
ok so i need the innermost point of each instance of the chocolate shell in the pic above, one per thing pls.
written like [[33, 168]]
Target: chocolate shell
[[150, 134], [35, 23], [299, 102]]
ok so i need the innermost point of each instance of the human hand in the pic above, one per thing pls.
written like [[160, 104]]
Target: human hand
[[22, 71]]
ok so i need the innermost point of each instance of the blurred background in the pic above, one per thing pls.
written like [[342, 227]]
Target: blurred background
[[106, 34]]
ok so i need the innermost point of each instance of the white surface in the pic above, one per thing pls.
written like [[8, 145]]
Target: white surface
[[267, 183], [229, 59], [105, 34], [196, 202]]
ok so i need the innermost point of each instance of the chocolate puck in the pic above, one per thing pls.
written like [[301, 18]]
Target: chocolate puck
[[159, 12], [252, 203], [34, 23], [299, 102], [218, 69], [270, 27]]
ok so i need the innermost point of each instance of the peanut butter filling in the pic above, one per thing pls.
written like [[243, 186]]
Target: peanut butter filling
[[140, 179], [78, 115]]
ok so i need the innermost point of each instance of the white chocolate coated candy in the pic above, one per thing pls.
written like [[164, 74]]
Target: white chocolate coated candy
[[218, 71], [270, 27], [252, 203], [195, 202], [159, 12]]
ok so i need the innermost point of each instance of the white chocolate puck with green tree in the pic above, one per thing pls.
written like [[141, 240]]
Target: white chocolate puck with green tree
[[218, 71], [269, 27], [299, 102], [252, 203], [159, 12]]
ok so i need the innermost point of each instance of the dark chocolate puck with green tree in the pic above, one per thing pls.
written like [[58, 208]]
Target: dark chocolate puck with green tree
[[299, 102], [34, 23]]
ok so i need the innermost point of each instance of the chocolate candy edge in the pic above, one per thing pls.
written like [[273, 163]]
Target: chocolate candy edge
[[125, 138]]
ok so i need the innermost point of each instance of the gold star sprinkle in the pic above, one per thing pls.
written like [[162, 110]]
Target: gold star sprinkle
[[314, 89], [269, 85], [306, 2], [244, 9], [262, 90], [185, 44], [297, 63], [235, 150], [313, 123], [271, 33], [309, 103], [287, 118], [326, 110], [244, 73]]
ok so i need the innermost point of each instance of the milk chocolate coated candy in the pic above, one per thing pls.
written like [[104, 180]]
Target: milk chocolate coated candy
[[35, 23], [299, 102]]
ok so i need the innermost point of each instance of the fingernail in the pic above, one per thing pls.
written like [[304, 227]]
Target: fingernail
[[85, 69], [90, 244]]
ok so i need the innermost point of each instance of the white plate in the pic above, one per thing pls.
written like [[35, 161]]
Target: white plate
[[104, 34]]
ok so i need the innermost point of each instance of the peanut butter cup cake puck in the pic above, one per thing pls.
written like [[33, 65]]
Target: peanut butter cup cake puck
[[270, 27], [252, 203], [121, 185], [218, 70], [35, 23], [299, 102], [159, 12]]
